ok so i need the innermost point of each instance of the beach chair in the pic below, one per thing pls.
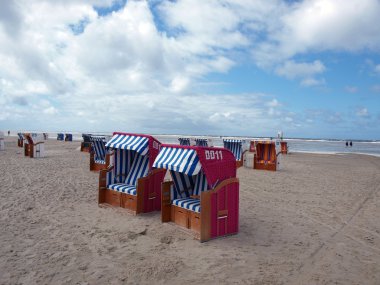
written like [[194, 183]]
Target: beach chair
[[98, 153], [267, 155], [60, 137], [20, 140], [236, 147], [34, 145], [201, 142], [68, 137], [284, 147], [184, 141], [2, 144], [130, 182], [85, 145], [203, 194]]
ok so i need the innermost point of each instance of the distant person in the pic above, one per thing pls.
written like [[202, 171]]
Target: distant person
[[9, 132], [346, 144], [350, 143]]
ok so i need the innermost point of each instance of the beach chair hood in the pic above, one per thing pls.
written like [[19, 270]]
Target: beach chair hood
[[142, 144], [217, 164]]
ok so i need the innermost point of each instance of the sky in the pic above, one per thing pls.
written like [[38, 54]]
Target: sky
[[310, 68]]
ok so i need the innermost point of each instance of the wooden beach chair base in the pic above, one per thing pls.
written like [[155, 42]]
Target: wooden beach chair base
[[219, 214], [147, 198]]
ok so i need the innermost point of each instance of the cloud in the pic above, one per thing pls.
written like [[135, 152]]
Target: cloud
[[91, 65], [377, 68], [376, 88], [321, 25], [362, 112], [351, 89], [302, 70]]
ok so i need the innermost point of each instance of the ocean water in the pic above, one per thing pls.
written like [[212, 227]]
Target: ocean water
[[294, 145]]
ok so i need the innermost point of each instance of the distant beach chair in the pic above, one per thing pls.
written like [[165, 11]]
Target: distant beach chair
[[20, 140], [130, 182], [203, 195], [2, 144], [68, 137], [201, 142], [284, 147], [184, 141], [267, 157], [60, 137], [98, 155], [236, 147], [85, 145], [34, 145]]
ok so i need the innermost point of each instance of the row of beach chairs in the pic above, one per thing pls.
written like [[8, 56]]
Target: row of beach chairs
[[200, 192]]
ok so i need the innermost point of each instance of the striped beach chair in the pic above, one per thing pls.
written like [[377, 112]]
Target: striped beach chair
[[130, 182], [20, 140], [60, 137], [2, 144], [85, 145], [68, 137], [236, 147], [98, 153], [268, 155], [203, 194], [201, 142], [184, 141]]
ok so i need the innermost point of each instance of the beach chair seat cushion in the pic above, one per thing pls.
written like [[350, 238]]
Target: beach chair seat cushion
[[123, 188], [188, 203], [100, 161]]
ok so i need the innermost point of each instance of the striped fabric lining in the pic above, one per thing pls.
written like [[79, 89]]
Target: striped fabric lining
[[99, 146], [184, 141], [127, 142], [201, 142], [183, 185], [188, 203], [122, 162], [178, 159], [123, 188], [139, 168], [235, 146], [200, 184]]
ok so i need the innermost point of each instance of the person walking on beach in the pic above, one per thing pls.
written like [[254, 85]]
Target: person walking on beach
[[350, 143], [9, 133], [347, 144]]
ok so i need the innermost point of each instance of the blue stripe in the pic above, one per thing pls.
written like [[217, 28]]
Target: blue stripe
[[178, 159]]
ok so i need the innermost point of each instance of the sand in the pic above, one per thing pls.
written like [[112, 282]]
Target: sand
[[317, 221]]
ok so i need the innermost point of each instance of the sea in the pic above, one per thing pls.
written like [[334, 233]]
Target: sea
[[322, 146]]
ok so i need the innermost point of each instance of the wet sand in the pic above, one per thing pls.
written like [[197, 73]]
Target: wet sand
[[317, 221]]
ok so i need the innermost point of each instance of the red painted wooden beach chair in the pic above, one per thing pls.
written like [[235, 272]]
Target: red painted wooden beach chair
[[284, 147], [267, 157], [34, 145], [130, 182], [203, 195]]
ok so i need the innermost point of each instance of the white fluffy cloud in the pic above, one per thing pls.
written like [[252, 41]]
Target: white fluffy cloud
[[61, 60]]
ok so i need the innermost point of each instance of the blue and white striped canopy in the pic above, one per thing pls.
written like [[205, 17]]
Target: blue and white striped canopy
[[178, 159], [235, 146], [201, 142], [184, 141], [129, 142]]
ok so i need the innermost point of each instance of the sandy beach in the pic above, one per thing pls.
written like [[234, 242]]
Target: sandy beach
[[317, 221]]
